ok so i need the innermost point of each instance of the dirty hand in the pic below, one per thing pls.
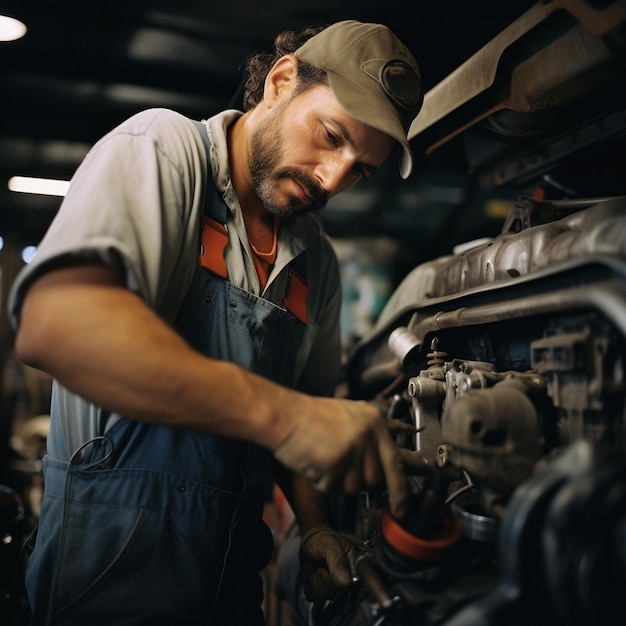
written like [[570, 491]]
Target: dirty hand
[[345, 445], [327, 558]]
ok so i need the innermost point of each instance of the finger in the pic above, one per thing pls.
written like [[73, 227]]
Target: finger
[[318, 588], [323, 585], [352, 552], [397, 427], [340, 578], [339, 566], [393, 469]]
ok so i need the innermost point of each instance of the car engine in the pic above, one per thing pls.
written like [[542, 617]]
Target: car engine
[[507, 356]]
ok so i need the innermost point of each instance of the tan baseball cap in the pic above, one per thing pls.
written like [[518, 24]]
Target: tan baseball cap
[[373, 75]]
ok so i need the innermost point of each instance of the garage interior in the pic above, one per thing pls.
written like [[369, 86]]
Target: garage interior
[[523, 99]]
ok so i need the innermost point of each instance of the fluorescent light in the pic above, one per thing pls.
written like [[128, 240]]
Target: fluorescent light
[[11, 29], [43, 186]]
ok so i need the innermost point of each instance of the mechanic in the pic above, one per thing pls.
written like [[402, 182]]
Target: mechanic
[[195, 345]]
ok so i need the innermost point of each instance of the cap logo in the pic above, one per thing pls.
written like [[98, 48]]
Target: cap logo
[[398, 80], [401, 84]]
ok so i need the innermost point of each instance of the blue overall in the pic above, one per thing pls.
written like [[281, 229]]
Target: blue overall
[[153, 525]]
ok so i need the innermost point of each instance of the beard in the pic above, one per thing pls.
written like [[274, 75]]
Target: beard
[[266, 148]]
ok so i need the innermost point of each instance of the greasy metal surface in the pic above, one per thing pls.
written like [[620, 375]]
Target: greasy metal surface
[[493, 433], [482, 85], [608, 298], [594, 232]]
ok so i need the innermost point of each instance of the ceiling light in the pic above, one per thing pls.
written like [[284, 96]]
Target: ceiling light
[[11, 29], [43, 186], [28, 253]]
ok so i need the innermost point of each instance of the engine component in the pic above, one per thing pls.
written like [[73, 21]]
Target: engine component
[[515, 383]]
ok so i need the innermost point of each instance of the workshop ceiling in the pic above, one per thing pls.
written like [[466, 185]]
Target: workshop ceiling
[[85, 65]]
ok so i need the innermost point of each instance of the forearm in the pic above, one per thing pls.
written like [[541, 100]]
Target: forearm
[[309, 506], [327, 557], [102, 342]]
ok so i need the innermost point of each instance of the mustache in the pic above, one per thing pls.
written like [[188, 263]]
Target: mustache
[[315, 191]]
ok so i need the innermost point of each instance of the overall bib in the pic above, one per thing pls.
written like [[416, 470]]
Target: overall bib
[[155, 525]]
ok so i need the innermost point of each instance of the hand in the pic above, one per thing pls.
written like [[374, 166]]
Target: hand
[[345, 445], [327, 558]]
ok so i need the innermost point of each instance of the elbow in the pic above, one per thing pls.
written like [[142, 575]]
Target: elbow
[[26, 348], [32, 335]]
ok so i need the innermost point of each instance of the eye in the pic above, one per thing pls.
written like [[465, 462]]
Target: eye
[[332, 138]]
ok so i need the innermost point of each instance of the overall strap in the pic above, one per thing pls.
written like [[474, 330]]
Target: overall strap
[[214, 239], [214, 205]]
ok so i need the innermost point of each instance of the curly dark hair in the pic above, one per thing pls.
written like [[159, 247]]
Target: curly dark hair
[[260, 63]]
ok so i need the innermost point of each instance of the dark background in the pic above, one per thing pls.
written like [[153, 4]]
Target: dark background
[[83, 67]]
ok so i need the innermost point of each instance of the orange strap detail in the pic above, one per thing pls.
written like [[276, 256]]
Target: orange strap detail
[[297, 292], [214, 239]]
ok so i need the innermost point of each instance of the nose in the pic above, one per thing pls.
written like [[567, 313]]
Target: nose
[[335, 174]]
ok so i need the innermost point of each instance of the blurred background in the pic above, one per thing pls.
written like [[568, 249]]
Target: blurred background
[[83, 67], [523, 98]]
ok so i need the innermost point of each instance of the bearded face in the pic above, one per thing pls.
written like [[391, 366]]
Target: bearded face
[[305, 149], [268, 171]]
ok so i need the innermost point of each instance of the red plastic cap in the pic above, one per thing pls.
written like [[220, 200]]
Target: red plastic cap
[[416, 548]]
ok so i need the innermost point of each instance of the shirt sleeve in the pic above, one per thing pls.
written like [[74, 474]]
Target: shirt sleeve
[[132, 204]]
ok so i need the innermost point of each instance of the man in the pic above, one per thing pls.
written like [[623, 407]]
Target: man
[[194, 355]]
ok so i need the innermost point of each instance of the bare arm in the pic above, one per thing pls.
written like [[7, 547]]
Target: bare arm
[[104, 343], [327, 557], [101, 341], [309, 506]]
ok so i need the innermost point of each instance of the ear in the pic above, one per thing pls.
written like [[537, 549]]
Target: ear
[[281, 79]]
